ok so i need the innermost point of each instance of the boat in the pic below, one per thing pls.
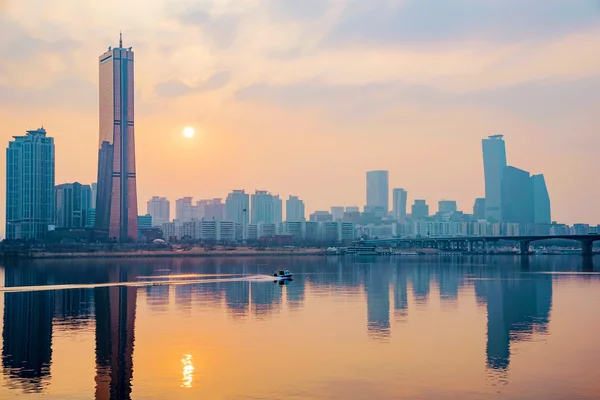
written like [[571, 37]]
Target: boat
[[283, 274]]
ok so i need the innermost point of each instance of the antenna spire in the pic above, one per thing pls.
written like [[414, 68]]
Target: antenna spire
[[120, 39]]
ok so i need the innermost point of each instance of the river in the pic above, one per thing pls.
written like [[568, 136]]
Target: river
[[430, 327]]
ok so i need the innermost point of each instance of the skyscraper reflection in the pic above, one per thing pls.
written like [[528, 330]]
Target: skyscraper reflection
[[237, 298], [400, 293], [517, 308], [27, 331], [115, 322], [377, 288]]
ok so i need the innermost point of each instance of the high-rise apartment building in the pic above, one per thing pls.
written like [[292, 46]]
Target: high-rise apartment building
[[419, 210], [541, 200], [184, 210], [399, 197], [214, 210], [116, 201], [479, 209], [237, 207], [160, 210], [73, 203], [29, 185], [378, 190], [494, 162], [294, 210], [517, 196], [265, 207], [447, 206]]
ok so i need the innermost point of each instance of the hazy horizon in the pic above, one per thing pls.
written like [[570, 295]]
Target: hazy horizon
[[303, 99]]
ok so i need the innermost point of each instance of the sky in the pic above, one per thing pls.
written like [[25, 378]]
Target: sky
[[303, 97]]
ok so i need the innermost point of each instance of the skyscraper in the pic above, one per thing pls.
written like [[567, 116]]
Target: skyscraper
[[116, 201], [377, 190], [294, 210], [29, 185], [265, 207], [337, 212], [237, 206], [494, 162], [541, 200], [420, 210], [517, 196], [447, 206], [160, 210], [72, 202], [479, 209], [399, 197]]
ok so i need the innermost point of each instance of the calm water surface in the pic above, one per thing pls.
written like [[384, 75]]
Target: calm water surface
[[344, 328]]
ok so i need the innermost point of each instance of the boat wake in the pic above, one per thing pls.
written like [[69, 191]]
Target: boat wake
[[154, 282]]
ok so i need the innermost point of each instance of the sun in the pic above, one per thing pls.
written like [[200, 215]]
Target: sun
[[188, 132]]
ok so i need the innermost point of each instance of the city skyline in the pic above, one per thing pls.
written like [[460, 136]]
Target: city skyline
[[183, 64]]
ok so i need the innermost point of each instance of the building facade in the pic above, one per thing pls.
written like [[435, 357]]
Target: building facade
[[116, 200], [184, 210], [338, 213], [399, 197], [237, 207], [29, 185], [265, 207], [294, 209], [378, 190], [494, 162], [419, 209], [160, 210], [541, 200], [517, 196], [479, 208], [447, 206], [72, 205]]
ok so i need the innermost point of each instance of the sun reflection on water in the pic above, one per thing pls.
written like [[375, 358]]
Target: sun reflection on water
[[188, 371]]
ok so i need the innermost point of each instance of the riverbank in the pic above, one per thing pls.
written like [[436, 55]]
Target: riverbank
[[195, 252]]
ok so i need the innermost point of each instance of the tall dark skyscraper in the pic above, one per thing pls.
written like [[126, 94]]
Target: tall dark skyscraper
[[517, 196], [494, 161], [541, 200], [116, 201]]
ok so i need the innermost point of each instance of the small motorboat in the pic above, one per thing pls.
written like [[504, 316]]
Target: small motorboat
[[283, 274]]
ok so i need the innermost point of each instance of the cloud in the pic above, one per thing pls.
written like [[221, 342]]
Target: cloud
[[219, 29], [540, 102], [298, 10], [409, 21], [21, 45], [176, 88], [67, 91]]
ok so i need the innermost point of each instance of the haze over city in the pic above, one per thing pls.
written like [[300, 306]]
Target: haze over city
[[304, 98]]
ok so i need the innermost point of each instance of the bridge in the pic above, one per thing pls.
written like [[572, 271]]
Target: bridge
[[469, 242]]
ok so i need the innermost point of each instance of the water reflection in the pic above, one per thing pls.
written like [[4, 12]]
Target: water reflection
[[516, 308], [517, 298], [115, 324], [27, 332], [188, 371]]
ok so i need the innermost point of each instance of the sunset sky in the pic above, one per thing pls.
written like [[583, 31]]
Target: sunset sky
[[303, 97]]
